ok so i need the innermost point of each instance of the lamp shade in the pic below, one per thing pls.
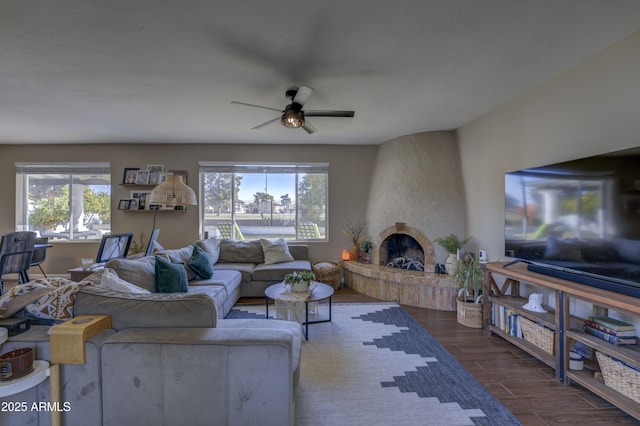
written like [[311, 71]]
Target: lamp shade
[[173, 192]]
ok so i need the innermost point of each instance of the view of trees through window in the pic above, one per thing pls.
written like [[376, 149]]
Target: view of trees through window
[[265, 204], [64, 205]]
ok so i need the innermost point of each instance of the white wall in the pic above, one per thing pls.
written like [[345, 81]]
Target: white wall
[[590, 109]]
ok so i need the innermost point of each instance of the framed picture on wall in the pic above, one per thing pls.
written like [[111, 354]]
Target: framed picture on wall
[[142, 199], [155, 173], [130, 175], [142, 177], [124, 204], [133, 204]]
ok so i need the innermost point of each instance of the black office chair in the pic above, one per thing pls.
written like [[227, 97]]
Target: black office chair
[[39, 254], [16, 249]]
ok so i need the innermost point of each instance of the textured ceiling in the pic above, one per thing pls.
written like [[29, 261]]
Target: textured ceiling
[[149, 71]]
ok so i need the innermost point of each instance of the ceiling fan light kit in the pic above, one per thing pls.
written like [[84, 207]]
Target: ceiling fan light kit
[[292, 119], [293, 116]]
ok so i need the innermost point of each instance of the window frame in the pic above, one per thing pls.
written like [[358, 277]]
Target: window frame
[[270, 168], [24, 169]]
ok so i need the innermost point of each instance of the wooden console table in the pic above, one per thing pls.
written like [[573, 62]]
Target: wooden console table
[[560, 321]]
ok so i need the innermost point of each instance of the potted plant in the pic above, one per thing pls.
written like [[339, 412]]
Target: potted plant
[[365, 251], [451, 243], [299, 280], [469, 274]]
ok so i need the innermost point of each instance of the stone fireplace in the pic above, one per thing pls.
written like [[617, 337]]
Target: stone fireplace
[[404, 247], [413, 287]]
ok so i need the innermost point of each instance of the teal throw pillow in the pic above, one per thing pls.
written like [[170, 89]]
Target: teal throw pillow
[[200, 263], [170, 277]]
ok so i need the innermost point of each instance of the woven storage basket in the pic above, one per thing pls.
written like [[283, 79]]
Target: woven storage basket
[[619, 377], [538, 335], [328, 273], [469, 314]]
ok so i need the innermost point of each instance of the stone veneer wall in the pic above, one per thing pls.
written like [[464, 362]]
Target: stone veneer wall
[[412, 288], [417, 180]]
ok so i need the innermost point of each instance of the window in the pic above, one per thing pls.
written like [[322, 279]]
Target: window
[[252, 201], [64, 201]]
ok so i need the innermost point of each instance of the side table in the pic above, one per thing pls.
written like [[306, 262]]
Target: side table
[[38, 375], [79, 273]]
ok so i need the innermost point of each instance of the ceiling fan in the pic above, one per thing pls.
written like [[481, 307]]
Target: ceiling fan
[[293, 116]]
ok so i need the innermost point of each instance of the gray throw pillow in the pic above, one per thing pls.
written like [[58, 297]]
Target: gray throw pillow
[[212, 247], [232, 251], [276, 251], [140, 272]]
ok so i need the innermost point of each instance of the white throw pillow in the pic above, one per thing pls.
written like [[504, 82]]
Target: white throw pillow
[[112, 281], [276, 251]]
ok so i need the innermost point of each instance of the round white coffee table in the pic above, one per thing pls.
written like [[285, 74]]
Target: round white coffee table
[[319, 291]]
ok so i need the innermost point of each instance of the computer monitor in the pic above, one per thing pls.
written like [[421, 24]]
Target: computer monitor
[[114, 246], [152, 241]]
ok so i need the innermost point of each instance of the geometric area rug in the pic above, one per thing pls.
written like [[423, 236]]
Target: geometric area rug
[[375, 365]]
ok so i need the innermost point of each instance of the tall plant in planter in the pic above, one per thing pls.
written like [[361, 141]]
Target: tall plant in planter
[[470, 276], [451, 243]]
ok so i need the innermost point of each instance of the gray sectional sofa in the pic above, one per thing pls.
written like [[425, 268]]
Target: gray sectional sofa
[[171, 358]]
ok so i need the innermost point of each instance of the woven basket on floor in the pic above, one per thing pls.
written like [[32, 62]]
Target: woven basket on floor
[[619, 377], [469, 313], [538, 335], [328, 273]]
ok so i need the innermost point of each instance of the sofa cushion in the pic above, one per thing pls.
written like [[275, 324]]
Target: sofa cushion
[[299, 251], [216, 292], [224, 283], [112, 281], [257, 324], [147, 310], [170, 277], [245, 269], [212, 247], [228, 278], [275, 251], [200, 263], [181, 255], [232, 251], [277, 271], [140, 272]]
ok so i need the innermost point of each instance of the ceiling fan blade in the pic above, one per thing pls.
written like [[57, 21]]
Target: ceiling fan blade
[[308, 127], [259, 126], [256, 106], [302, 95], [329, 113]]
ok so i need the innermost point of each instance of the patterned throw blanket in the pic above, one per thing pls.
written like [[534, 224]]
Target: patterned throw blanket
[[47, 298]]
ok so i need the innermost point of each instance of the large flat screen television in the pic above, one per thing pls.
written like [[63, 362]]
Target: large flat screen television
[[578, 220]]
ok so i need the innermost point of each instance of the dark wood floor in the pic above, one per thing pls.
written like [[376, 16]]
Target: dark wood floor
[[523, 384]]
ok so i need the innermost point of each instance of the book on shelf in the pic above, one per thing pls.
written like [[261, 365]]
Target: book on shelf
[[506, 319], [612, 323], [583, 350], [609, 337], [623, 333]]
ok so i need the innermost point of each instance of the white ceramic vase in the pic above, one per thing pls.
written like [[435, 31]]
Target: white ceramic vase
[[451, 263]]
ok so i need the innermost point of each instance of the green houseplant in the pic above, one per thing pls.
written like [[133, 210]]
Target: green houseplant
[[469, 274], [299, 280], [451, 243]]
